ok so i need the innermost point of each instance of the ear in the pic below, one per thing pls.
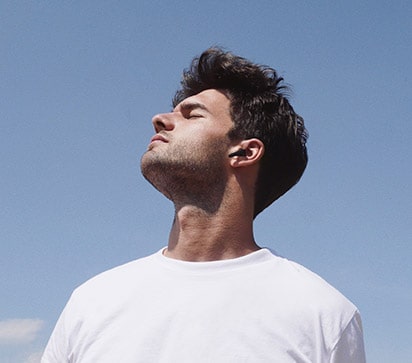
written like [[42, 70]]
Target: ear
[[253, 152]]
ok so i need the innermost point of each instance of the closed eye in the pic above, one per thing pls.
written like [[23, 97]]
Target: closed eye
[[193, 115], [190, 110]]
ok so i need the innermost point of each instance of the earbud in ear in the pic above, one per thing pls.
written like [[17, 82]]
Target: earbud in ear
[[240, 152]]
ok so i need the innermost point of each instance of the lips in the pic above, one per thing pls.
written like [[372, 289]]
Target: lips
[[158, 138]]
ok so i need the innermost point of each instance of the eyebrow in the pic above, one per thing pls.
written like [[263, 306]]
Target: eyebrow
[[188, 106]]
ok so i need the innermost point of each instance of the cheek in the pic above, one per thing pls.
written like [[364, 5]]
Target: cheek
[[200, 140]]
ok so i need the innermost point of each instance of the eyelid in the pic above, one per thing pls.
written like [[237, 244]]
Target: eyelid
[[191, 110], [191, 115]]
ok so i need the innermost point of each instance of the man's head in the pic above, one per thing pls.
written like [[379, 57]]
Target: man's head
[[186, 158], [259, 109]]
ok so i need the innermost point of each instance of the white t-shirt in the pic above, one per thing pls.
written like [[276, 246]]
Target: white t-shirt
[[255, 308]]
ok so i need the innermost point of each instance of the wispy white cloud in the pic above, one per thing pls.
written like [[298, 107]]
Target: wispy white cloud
[[19, 330]]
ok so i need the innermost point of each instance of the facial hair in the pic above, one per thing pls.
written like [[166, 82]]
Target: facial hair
[[188, 174]]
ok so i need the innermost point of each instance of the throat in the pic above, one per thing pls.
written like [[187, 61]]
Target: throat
[[198, 236]]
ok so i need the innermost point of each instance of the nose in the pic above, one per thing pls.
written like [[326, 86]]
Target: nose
[[163, 121]]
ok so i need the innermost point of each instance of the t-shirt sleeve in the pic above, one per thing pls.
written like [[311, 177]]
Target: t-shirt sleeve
[[57, 347], [350, 347]]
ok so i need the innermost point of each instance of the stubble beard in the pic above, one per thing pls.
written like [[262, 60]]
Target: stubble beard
[[188, 175]]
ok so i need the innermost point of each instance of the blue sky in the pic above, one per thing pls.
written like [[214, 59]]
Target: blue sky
[[80, 81]]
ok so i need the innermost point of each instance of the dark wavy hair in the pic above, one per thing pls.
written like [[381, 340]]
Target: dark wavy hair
[[259, 109]]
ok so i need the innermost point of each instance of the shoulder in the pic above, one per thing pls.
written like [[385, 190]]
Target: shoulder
[[311, 304], [304, 292], [115, 282], [299, 280]]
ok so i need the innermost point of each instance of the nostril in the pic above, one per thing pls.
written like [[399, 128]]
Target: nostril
[[158, 123], [163, 121]]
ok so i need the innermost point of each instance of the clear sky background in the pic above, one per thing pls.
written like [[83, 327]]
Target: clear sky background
[[79, 83]]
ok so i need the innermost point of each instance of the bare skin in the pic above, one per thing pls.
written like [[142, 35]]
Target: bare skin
[[214, 210]]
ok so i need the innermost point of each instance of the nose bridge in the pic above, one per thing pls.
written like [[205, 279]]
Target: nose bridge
[[163, 121]]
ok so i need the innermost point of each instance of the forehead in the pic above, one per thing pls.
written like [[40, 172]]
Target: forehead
[[210, 100]]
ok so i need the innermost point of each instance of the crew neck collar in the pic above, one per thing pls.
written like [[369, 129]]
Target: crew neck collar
[[259, 256]]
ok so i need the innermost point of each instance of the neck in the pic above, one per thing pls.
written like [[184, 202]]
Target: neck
[[198, 235]]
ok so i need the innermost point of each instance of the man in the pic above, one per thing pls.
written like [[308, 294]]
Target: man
[[230, 147]]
